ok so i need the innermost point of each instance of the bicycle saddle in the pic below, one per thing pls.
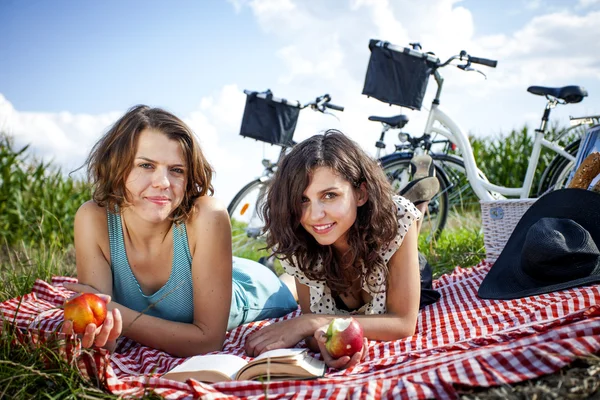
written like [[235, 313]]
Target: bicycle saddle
[[397, 121], [570, 94]]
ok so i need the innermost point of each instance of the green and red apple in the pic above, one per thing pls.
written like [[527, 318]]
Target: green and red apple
[[84, 310], [344, 337]]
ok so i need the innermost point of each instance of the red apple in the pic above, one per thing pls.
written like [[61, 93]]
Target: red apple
[[85, 309], [344, 337]]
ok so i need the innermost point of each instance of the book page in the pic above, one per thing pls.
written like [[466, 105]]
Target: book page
[[277, 353], [277, 366], [223, 366]]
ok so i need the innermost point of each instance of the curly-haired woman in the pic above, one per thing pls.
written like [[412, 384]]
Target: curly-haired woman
[[348, 241]]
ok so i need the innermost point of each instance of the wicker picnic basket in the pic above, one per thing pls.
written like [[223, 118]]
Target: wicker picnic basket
[[498, 219]]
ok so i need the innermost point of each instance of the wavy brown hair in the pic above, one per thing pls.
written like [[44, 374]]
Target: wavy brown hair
[[376, 223], [112, 157]]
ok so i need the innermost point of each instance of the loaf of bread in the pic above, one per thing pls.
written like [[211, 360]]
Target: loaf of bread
[[587, 171]]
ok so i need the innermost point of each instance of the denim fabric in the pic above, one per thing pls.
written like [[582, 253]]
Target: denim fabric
[[428, 294], [257, 294]]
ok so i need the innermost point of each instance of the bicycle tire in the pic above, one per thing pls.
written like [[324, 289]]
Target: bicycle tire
[[557, 173], [240, 195], [246, 221], [397, 167]]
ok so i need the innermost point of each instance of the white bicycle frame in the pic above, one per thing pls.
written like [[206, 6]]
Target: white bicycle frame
[[446, 127], [484, 189]]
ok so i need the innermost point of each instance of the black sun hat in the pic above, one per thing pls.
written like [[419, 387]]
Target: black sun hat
[[554, 246]]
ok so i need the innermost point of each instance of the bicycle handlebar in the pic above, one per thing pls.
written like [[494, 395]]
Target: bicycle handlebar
[[333, 107], [322, 102], [416, 51], [483, 61], [464, 56], [318, 104]]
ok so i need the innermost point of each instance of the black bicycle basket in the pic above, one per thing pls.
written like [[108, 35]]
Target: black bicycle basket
[[269, 119], [398, 77]]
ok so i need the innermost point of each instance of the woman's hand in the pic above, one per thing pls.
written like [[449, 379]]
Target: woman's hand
[[342, 362], [280, 335], [104, 335]]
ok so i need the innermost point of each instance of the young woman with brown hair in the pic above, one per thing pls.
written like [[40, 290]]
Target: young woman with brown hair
[[350, 244], [154, 240]]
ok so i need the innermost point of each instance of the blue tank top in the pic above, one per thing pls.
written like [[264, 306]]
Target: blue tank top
[[257, 293], [173, 301]]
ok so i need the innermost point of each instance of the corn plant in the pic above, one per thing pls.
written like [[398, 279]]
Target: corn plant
[[36, 201], [504, 158]]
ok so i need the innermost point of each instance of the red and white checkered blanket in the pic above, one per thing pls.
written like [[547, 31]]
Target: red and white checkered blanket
[[460, 340]]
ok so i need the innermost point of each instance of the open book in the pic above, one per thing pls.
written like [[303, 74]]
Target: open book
[[279, 364]]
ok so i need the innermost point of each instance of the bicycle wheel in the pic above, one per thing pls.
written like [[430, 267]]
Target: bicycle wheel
[[557, 173], [397, 169], [246, 221], [451, 204], [463, 204]]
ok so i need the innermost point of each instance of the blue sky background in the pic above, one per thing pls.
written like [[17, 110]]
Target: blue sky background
[[101, 56], [68, 69]]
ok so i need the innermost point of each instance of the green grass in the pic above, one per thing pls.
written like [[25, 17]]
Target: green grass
[[22, 265], [28, 372], [245, 247], [460, 244], [37, 202]]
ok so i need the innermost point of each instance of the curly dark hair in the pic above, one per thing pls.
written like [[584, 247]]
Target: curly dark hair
[[112, 157], [376, 223]]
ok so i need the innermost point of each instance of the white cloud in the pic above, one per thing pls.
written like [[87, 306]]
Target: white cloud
[[237, 4], [533, 4], [587, 3], [556, 49], [61, 137]]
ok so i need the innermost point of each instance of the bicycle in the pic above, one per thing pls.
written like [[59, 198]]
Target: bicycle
[[458, 174], [244, 208]]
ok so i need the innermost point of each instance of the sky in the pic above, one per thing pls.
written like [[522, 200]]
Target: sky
[[69, 69]]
